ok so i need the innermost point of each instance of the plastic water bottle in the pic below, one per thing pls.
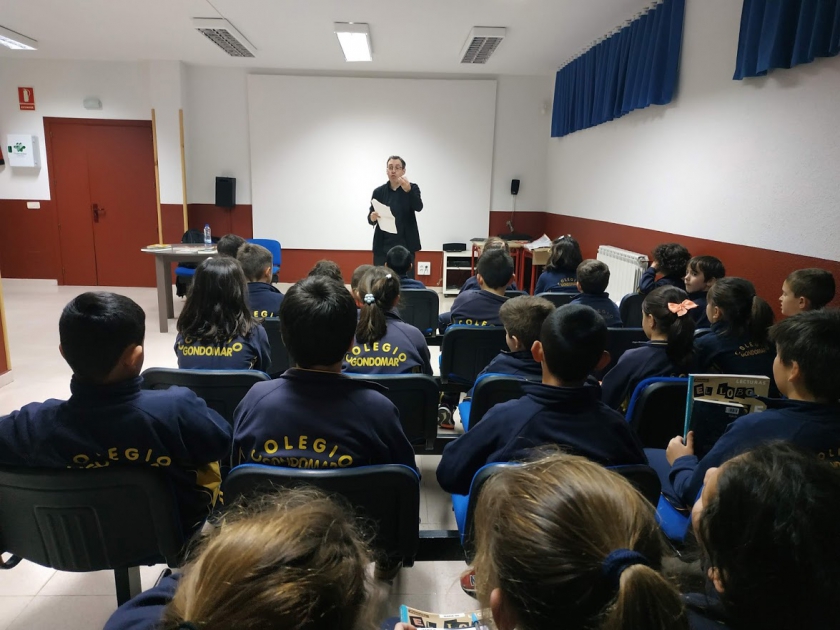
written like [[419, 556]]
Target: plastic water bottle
[[208, 242]]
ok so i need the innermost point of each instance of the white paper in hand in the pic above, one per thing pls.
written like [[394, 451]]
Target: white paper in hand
[[387, 222]]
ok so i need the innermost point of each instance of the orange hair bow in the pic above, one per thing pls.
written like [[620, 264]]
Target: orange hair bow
[[682, 308]]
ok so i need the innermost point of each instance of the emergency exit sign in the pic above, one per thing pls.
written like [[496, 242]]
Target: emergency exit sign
[[26, 98]]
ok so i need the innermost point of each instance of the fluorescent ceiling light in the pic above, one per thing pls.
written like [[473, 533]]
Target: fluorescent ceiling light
[[355, 41], [16, 41]]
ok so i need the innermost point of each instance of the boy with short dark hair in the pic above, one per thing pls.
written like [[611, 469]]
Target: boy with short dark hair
[[481, 308], [398, 259], [593, 277], [110, 421], [565, 409], [326, 269], [229, 245], [313, 416], [700, 274], [805, 371], [805, 290], [264, 299]]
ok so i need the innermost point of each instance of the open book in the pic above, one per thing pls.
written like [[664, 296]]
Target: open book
[[717, 400], [423, 619]]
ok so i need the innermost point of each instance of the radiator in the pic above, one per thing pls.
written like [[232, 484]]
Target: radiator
[[626, 269]]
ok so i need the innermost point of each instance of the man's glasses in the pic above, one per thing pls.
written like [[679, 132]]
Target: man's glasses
[[395, 168]]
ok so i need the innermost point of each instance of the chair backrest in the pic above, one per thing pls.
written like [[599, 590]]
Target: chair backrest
[[417, 397], [89, 520], [510, 293], [388, 496], [630, 310], [280, 360], [619, 341], [420, 308], [272, 246], [222, 390], [657, 410], [701, 332], [490, 391], [466, 350], [558, 299], [642, 477]]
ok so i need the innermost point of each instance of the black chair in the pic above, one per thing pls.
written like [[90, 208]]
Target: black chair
[[657, 410], [417, 397], [630, 310], [420, 308], [115, 518], [466, 350], [619, 341], [492, 390], [280, 361], [510, 293], [558, 299], [387, 495], [222, 390], [642, 477]]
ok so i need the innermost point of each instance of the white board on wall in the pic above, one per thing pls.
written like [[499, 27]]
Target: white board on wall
[[319, 147]]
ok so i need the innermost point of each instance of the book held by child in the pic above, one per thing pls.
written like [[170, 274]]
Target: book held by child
[[423, 619]]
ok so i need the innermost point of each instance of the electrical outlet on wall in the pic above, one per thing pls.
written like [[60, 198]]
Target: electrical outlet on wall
[[424, 268]]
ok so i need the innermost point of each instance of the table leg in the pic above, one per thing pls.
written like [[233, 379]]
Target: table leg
[[533, 275], [164, 292]]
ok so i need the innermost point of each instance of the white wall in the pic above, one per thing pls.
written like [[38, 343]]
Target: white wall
[[523, 127], [165, 95], [319, 146], [752, 162], [60, 87]]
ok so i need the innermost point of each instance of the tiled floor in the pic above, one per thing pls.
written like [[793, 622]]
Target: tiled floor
[[33, 597]]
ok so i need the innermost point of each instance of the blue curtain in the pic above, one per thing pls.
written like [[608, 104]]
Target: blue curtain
[[632, 69], [786, 33]]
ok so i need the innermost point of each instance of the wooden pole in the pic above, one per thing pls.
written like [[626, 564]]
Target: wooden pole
[[183, 167], [157, 178], [3, 331]]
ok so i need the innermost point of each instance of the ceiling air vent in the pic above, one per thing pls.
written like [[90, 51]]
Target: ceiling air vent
[[481, 43], [221, 32]]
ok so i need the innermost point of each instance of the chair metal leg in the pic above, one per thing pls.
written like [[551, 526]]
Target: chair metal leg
[[128, 583]]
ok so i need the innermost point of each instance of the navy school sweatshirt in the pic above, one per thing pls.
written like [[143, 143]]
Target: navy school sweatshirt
[[402, 350], [145, 611], [240, 353], [519, 363], [604, 306], [557, 281], [121, 425], [472, 285], [310, 419], [264, 299], [571, 417], [648, 360], [477, 308], [648, 281], [411, 283], [725, 352], [699, 314]]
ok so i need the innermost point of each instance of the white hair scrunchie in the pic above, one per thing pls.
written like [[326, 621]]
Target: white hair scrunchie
[[369, 299], [388, 276]]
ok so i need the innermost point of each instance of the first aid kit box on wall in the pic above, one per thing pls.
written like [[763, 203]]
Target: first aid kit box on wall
[[23, 150]]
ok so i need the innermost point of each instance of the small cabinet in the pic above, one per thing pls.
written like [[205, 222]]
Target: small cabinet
[[457, 268]]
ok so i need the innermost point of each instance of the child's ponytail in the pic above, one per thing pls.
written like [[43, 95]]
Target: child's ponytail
[[378, 292], [743, 311], [645, 600], [761, 318], [679, 325]]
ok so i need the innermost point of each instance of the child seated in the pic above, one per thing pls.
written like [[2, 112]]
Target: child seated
[[110, 421], [313, 416], [481, 308], [666, 322], [670, 260], [700, 274], [767, 526], [216, 329], [384, 343], [294, 560], [355, 279], [738, 343], [263, 298], [560, 274], [593, 277], [564, 409], [563, 543], [229, 245], [805, 290], [805, 371], [398, 259], [327, 269], [494, 242]]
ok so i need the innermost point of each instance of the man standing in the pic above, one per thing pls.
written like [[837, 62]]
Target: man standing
[[403, 198]]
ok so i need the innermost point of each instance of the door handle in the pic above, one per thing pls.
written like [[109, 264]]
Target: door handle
[[97, 212]]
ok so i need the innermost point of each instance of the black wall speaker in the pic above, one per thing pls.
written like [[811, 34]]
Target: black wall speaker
[[514, 187], [226, 192]]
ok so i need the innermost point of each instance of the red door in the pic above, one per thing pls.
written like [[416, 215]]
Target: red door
[[104, 186]]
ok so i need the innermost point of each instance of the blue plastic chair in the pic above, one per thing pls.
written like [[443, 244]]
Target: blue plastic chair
[[657, 410], [272, 246]]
